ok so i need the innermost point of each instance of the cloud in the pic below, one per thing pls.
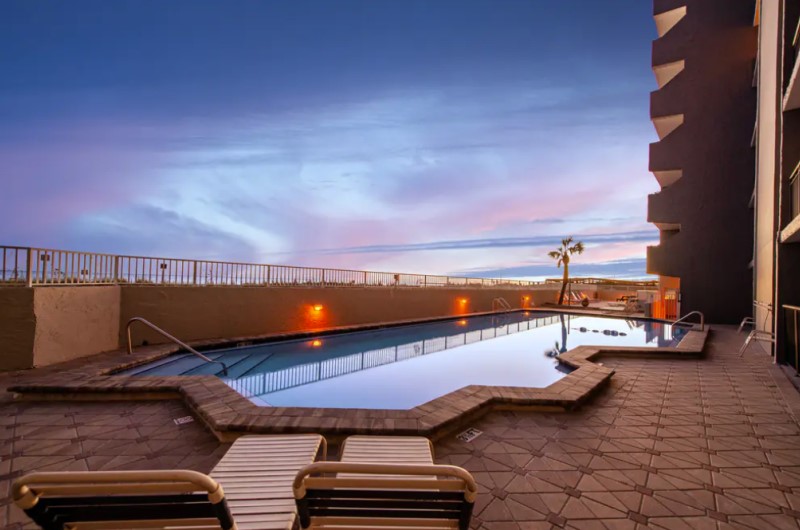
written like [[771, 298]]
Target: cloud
[[361, 153], [505, 242], [623, 269], [164, 233]]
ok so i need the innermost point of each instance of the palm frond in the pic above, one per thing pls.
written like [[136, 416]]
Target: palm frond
[[555, 254], [577, 248]]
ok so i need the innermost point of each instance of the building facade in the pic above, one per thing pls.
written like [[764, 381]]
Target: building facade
[[703, 111], [727, 112]]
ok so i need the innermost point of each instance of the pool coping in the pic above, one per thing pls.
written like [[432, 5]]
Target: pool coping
[[228, 414]]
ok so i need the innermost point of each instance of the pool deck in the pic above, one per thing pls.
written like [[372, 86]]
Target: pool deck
[[229, 414], [674, 443]]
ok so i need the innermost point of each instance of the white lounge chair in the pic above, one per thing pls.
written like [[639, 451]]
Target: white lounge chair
[[256, 474], [384, 482]]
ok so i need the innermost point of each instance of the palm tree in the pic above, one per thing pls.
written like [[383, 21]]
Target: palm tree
[[562, 255]]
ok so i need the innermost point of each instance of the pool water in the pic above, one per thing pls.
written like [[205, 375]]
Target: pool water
[[405, 366]]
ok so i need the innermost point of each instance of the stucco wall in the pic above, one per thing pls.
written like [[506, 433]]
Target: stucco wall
[[193, 313], [17, 328], [74, 322]]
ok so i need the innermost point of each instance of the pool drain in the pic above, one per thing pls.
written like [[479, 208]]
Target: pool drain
[[469, 435]]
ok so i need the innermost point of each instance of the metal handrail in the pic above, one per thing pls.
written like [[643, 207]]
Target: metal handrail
[[687, 315], [794, 309], [43, 266], [173, 339], [501, 302]]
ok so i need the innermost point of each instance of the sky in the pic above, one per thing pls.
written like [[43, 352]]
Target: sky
[[461, 137]]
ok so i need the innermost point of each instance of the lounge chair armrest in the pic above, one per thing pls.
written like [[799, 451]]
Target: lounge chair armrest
[[470, 486]]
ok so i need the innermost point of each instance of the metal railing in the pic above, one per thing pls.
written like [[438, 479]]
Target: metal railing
[[171, 338], [792, 335], [794, 190], [38, 266], [687, 315]]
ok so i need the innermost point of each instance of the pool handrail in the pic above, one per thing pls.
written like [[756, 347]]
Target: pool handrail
[[687, 315], [501, 303], [171, 338]]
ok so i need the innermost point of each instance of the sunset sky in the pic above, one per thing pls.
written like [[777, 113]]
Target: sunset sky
[[438, 136]]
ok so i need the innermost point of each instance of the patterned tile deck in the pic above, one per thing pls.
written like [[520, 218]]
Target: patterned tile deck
[[674, 444], [669, 443], [92, 436]]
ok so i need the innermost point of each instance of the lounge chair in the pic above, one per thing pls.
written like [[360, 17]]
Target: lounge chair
[[256, 474], [395, 449], [386, 482], [95, 500]]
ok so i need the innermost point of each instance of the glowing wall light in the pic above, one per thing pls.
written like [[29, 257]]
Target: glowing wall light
[[318, 307]]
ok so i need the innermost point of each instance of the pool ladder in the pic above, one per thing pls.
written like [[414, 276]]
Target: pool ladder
[[687, 315], [501, 303], [171, 338]]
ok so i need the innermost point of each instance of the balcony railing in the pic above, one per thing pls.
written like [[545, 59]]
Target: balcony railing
[[792, 318], [794, 190], [38, 266]]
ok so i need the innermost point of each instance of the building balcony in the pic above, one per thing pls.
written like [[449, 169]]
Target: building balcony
[[661, 260], [661, 211], [674, 40], [665, 73], [668, 18], [668, 178], [666, 124], [791, 233], [668, 154], [661, 6], [791, 98], [671, 98]]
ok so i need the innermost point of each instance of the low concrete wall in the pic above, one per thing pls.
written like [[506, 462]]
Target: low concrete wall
[[74, 322], [17, 328], [194, 313], [45, 325]]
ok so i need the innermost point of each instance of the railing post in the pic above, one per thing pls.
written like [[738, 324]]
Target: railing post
[[194, 273], [269, 274], [29, 268], [116, 269], [796, 354], [425, 281], [323, 276]]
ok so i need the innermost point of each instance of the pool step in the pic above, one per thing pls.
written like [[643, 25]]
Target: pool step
[[179, 366], [248, 363], [230, 359], [152, 368]]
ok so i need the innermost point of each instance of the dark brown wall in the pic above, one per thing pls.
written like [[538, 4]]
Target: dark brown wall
[[788, 266], [712, 251]]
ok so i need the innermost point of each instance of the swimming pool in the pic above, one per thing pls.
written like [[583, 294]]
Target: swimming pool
[[405, 366]]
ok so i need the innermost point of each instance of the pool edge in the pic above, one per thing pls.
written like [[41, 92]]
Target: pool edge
[[229, 415]]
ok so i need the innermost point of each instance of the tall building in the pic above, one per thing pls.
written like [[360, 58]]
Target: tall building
[[776, 201], [727, 112], [703, 112]]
